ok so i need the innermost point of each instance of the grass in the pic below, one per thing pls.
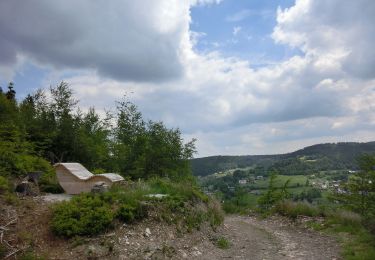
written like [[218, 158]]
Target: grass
[[242, 206], [357, 242], [222, 243], [294, 209], [295, 180]]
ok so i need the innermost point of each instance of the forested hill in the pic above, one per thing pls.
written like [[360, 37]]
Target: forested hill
[[330, 156]]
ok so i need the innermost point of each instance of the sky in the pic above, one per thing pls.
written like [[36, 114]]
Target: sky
[[241, 76]]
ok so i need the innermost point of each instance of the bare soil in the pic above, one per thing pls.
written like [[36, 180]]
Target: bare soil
[[272, 238]]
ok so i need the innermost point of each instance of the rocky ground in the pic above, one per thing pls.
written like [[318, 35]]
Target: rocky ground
[[272, 238], [249, 238]]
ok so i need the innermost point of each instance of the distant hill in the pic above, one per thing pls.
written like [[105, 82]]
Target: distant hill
[[320, 157]]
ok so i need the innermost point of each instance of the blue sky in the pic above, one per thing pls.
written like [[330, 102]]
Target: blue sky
[[243, 77], [241, 29]]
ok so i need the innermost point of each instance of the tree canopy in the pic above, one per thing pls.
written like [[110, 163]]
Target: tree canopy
[[50, 127]]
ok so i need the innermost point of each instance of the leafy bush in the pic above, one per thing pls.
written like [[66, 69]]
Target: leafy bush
[[14, 163], [84, 215], [129, 213], [126, 213]]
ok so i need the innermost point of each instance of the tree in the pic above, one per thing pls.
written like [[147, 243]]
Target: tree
[[360, 196], [62, 106], [273, 194], [11, 94], [144, 150]]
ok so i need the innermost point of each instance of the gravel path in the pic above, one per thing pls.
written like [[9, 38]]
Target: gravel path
[[272, 238]]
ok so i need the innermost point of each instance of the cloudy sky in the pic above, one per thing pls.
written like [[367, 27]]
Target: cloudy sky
[[241, 76]]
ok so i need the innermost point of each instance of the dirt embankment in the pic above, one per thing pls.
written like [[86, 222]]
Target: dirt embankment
[[249, 237]]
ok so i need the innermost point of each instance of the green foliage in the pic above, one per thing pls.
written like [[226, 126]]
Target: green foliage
[[361, 188], [4, 185], [273, 194], [129, 213], [309, 195], [222, 243], [89, 214], [126, 213], [185, 189], [85, 214], [48, 183], [54, 129], [149, 149]]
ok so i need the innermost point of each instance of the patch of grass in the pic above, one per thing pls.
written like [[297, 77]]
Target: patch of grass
[[4, 185], [222, 243], [30, 255], [11, 199], [215, 214], [360, 246], [294, 209], [3, 251], [345, 221]]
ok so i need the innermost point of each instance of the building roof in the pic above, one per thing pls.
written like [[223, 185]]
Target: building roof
[[82, 173]]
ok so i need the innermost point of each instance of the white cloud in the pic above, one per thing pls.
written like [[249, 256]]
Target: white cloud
[[325, 94], [246, 13], [125, 40]]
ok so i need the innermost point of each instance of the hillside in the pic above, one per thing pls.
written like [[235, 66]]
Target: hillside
[[320, 157]]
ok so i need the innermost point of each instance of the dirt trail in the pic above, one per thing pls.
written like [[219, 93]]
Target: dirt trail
[[272, 238]]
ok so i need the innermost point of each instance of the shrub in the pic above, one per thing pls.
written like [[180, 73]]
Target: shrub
[[175, 203], [83, 215], [126, 213]]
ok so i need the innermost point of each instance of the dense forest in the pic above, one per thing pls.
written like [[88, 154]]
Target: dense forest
[[320, 157], [48, 127]]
